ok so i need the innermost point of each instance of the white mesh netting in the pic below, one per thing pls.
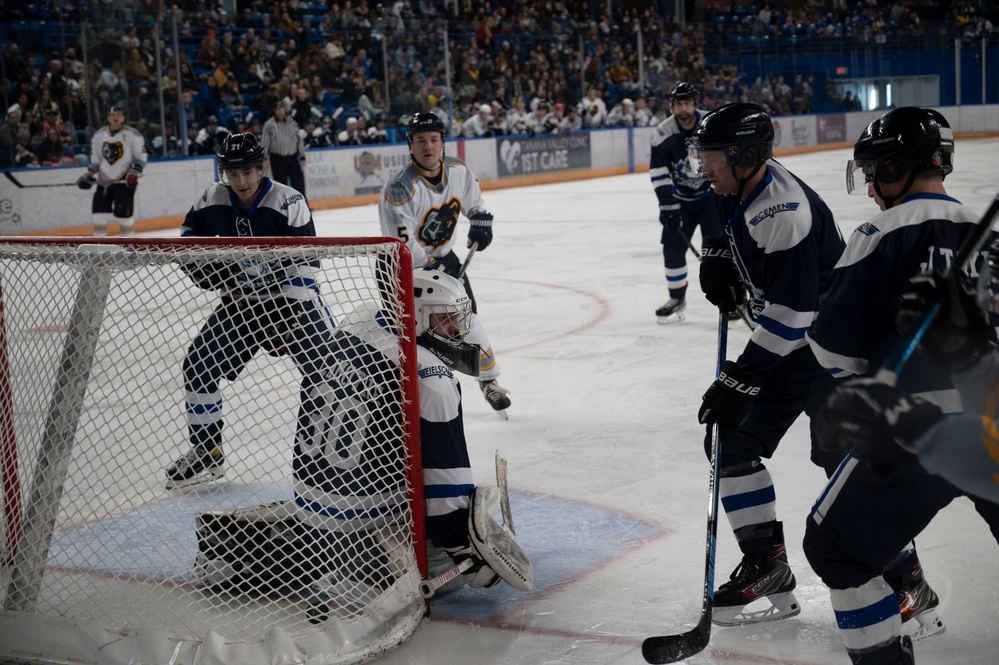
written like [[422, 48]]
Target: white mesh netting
[[116, 361]]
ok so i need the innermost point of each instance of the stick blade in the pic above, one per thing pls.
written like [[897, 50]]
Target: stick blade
[[673, 648]]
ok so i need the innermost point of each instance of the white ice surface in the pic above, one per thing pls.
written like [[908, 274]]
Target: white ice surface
[[607, 469]]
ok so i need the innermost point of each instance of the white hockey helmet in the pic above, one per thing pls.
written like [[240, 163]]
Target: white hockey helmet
[[443, 315]]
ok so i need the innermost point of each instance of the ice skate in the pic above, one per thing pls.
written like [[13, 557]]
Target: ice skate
[[916, 600], [763, 576], [196, 466], [496, 395], [672, 311]]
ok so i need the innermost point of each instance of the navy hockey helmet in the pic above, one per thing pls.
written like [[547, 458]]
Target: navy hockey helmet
[[907, 140], [240, 151], [119, 108], [443, 316], [743, 131], [425, 122], [684, 91]]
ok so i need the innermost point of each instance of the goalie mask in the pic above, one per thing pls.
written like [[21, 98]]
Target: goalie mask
[[443, 315]]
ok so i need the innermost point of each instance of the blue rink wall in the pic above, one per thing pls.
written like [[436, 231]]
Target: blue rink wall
[[47, 203]]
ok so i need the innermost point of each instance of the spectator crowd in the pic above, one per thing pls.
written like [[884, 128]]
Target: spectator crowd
[[353, 72]]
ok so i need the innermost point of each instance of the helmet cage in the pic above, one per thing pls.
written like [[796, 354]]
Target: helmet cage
[[443, 319]]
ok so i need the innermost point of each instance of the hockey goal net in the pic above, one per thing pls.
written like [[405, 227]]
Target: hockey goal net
[[267, 564]]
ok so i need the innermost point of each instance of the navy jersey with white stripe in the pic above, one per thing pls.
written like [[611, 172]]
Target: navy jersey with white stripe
[[785, 243], [278, 210], [672, 176], [855, 328]]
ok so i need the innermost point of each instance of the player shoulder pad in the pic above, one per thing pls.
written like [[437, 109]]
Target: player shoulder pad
[[215, 194], [400, 188], [783, 218], [451, 162], [664, 130]]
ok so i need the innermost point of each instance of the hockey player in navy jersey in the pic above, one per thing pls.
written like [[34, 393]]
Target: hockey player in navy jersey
[[685, 197], [780, 245], [263, 306], [902, 158], [421, 206]]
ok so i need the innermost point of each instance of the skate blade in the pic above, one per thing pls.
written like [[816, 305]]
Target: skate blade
[[929, 624], [207, 477], [503, 414], [671, 318], [781, 606]]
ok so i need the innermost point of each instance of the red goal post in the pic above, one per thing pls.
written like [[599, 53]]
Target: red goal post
[[100, 562]]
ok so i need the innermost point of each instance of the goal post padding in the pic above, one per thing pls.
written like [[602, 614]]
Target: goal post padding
[[312, 546]]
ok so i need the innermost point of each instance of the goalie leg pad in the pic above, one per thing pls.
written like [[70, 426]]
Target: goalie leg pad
[[497, 546]]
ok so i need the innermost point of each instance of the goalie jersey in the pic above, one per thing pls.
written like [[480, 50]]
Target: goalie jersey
[[424, 215]]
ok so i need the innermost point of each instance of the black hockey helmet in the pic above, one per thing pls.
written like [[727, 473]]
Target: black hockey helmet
[[240, 151], [684, 91], [120, 108], [907, 140], [743, 131], [425, 122]]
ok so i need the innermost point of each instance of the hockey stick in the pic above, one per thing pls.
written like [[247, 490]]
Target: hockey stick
[[21, 185], [429, 587], [468, 258], [671, 648], [900, 354]]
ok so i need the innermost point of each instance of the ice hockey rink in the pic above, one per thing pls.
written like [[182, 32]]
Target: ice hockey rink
[[607, 472]]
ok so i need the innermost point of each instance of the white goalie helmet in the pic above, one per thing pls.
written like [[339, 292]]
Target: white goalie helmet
[[443, 316]]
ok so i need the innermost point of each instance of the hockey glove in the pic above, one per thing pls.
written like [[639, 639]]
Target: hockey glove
[[959, 335], [876, 421], [86, 181], [481, 230], [449, 264], [132, 181], [730, 397], [670, 217], [719, 277]]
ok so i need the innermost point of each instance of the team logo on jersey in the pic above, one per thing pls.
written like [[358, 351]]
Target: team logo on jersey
[[294, 198], [112, 152], [243, 227], [867, 229], [438, 224], [773, 211]]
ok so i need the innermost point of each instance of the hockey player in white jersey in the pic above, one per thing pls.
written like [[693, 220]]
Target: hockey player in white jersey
[[117, 158], [421, 205]]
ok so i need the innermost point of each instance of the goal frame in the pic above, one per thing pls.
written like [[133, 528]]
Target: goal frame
[[23, 520]]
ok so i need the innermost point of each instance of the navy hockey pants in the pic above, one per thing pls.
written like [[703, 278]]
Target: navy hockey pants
[[861, 521]]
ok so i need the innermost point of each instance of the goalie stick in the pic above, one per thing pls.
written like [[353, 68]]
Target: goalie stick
[[900, 354], [671, 648], [429, 587]]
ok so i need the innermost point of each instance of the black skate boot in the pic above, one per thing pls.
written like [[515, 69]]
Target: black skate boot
[[198, 465], [496, 395], [672, 311], [763, 575], [916, 600], [898, 652]]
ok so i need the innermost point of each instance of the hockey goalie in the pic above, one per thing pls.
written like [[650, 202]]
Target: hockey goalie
[[341, 542]]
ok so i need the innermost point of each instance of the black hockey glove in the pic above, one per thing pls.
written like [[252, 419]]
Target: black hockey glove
[[449, 264], [719, 277], [876, 421], [959, 335], [481, 230], [730, 397], [213, 276], [86, 181], [670, 217]]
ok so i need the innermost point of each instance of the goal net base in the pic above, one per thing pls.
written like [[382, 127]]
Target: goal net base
[[115, 356]]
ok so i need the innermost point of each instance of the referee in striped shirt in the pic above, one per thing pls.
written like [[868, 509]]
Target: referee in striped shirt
[[284, 148]]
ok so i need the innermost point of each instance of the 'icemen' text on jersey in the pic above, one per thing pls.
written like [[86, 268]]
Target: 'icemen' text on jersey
[[785, 243], [113, 154], [424, 216], [278, 211], [672, 176]]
